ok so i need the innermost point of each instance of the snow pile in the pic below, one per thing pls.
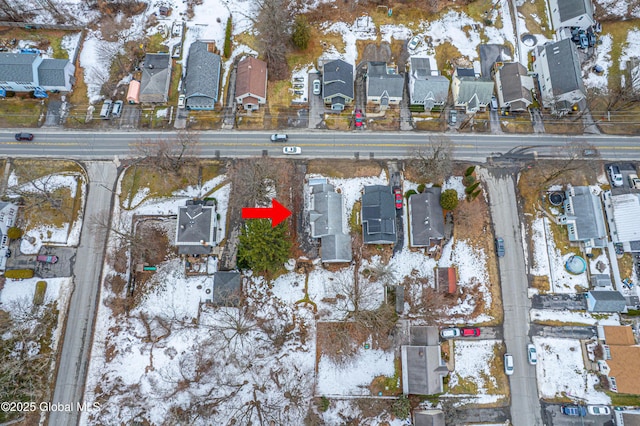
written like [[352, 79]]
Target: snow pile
[[614, 7], [561, 280], [540, 265], [455, 28], [473, 361], [603, 59], [455, 182], [631, 49], [561, 372]]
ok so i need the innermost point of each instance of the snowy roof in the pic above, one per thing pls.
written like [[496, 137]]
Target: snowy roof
[[626, 216], [605, 301], [196, 229], [337, 79], [583, 211], [51, 72], [422, 370], [226, 288], [378, 215], [202, 79], [17, 66], [428, 418], [427, 220], [156, 78]]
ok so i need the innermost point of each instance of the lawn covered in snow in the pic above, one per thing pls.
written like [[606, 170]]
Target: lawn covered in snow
[[476, 363]]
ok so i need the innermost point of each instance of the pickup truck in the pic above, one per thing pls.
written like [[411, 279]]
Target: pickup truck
[[634, 182]]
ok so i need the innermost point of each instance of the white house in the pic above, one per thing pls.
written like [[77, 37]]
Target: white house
[[8, 215], [26, 72], [571, 13]]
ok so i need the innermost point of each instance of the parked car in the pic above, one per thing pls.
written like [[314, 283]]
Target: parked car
[[592, 39], [508, 364], [316, 87], [494, 103], [358, 117], [23, 136], [615, 175], [583, 41], [106, 109], [499, 246], [598, 410], [532, 354], [397, 192], [634, 182], [182, 101], [453, 117], [278, 137], [117, 108], [470, 331], [7, 253], [573, 410], [414, 42], [47, 258], [450, 333], [291, 150]]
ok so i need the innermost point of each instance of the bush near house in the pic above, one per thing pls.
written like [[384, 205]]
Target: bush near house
[[14, 233], [227, 39], [18, 274], [449, 199]]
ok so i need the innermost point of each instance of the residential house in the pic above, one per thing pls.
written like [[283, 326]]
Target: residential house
[[605, 301], [623, 213], [584, 218], [156, 78], [227, 289], [470, 91], [426, 86], [337, 84], [426, 219], [251, 83], [196, 228], [202, 80], [621, 363], [423, 369], [326, 217], [133, 94], [378, 215], [430, 417], [513, 86], [384, 85], [571, 13], [30, 72], [8, 216], [559, 75]]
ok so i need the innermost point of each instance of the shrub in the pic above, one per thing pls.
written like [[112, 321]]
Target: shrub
[[409, 193], [401, 408], [18, 274], [14, 233], [301, 33], [449, 199], [470, 170], [421, 188], [472, 188], [324, 404], [227, 39], [41, 290], [468, 180]]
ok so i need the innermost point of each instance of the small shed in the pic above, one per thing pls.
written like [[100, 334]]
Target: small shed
[[446, 280], [133, 94]]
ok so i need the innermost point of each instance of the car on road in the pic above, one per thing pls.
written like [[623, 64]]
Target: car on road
[[279, 137], [508, 364], [532, 355], [414, 42], [182, 101], [291, 150], [450, 333], [316, 87], [470, 331], [23, 136], [453, 117], [499, 246], [573, 410], [397, 193], [615, 175], [598, 410], [358, 117], [47, 258], [589, 152]]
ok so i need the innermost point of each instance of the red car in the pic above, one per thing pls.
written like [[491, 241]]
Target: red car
[[470, 331], [397, 192], [358, 118]]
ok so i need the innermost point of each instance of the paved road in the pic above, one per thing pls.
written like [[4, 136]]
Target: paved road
[[525, 406], [74, 357], [314, 143]]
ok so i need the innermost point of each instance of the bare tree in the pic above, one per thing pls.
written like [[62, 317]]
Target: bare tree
[[433, 161], [571, 156], [169, 154], [274, 23], [253, 180]]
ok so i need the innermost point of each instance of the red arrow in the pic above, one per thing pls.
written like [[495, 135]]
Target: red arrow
[[277, 213]]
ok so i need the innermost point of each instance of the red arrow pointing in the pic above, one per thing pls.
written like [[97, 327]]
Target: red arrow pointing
[[277, 213]]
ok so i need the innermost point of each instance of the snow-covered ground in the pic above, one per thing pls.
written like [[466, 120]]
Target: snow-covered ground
[[575, 317], [473, 360]]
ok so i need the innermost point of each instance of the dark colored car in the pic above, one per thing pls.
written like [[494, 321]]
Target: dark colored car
[[573, 410], [470, 331], [397, 192], [499, 247], [24, 136]]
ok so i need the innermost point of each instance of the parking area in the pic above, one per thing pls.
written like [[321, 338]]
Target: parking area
[[571, 302], [316, 106], [553, 417], [62, 268], [626, 169]]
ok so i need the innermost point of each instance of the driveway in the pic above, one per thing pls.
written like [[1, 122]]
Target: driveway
[[572, 302], [396, 180], [563, 332], [54, 114], [553, 417], [316, 105]]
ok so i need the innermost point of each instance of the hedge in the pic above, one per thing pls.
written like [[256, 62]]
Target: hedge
[[17, 274], [41, 290], [227, 39]]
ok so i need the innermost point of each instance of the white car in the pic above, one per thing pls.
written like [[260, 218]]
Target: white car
[[316, 87], [181, 101], [508, 364], [291, 150], [414, 42], [532, 354], [450, 333], [598, 410]]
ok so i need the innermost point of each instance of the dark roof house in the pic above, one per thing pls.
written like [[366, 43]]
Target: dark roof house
[[583, 217], [428, 417], [426, 218], [156, 78], [378, 215], [56, 74], [425, 88], [337, 84], [226, 288], [423, 369], [251, 83], [605, 301], [195, 233], [469, 91], [203, 77], [513, 86], [326, 220], [571, 13], [384, 85]]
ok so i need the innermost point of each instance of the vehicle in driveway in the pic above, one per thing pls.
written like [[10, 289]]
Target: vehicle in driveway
[[358, 117], [106, 109], [499, 246], [494, 103], [117, 108], [470, 331], [532, 355], [450, 333], [508, 364], [413, 43], [47, 258], [615, 175], [634, 182], [182, 99], [573, 410], [23, 136], [453, 117], [316, 87], [397, 193], [598, 410], [279, 137], [291, 150]]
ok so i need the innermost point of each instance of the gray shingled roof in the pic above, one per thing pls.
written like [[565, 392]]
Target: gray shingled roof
[[569, 9], [326, 216], [422, 370], [378, 215], [156, 77], [511, 80], [337, 79], [425, 88], [379, 82], [428, 418], [51, 72], [195, 225], [226, 288], [336, 248], [586, 210], [203, 76], [606, 301], [424, 335], [483, 91], [600, 280], [427, 220], [564, 67], [17, 66]]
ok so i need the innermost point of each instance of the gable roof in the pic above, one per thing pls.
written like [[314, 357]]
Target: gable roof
[[251, 77], [336, 248], [626, 217], [326, 213], [226, 288], [424, 87], [17, 66], [511, 76], [379, 81], [378, 215], [51, 72], [569, 9], [337, 79], [446, 280], [427, 219], [585, 210], [156, 77], [428, 418], [195, 227], [618, 335], [606, 301], [203, 76], [564, 66], [422, 370], [624, 366], [475, 91]]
